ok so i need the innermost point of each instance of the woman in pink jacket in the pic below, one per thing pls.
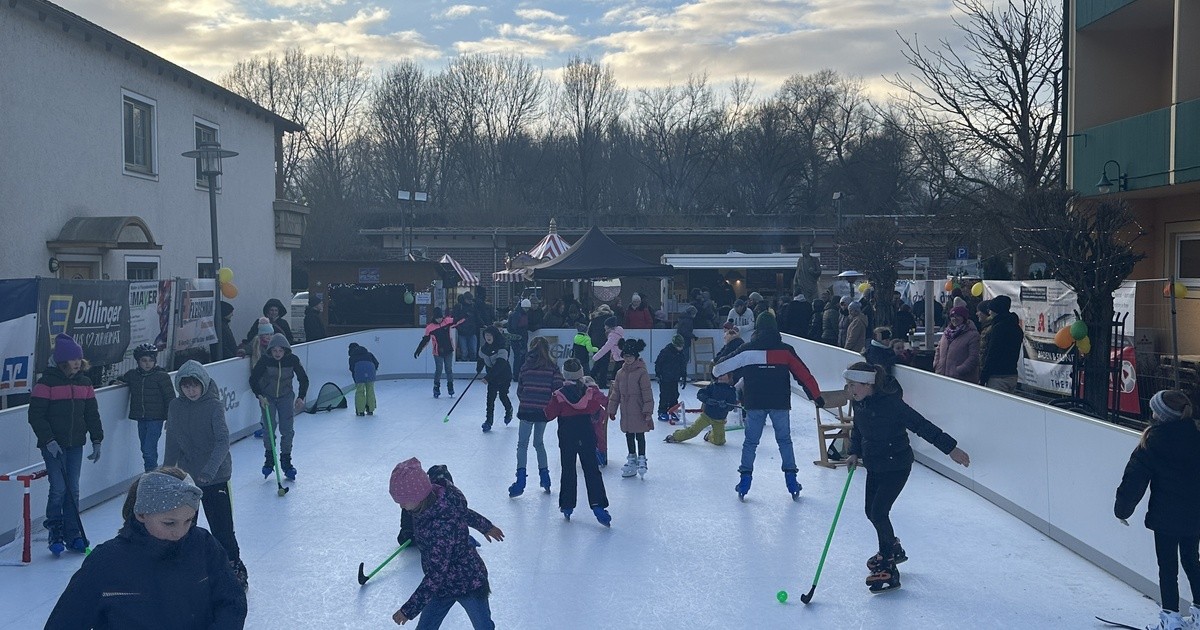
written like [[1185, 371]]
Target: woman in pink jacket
[[957, 353], [631, 394]]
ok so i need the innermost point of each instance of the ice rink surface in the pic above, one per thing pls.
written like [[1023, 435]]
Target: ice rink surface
[[682, 552]]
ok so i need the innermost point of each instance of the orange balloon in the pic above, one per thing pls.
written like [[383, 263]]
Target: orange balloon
[[1063, 338], [949, 285], [229, 290]]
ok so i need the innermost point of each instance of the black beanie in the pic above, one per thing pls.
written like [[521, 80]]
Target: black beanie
[[1000, 304]]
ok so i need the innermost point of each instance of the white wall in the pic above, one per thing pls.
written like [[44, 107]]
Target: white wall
[[61, 118], [1056, 470]]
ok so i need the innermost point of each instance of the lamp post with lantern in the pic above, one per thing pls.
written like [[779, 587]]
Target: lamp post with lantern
[[208, 156]]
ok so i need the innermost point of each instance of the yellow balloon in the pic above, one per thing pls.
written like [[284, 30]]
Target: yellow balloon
[[1084, 345], [225, 274], [1180, 290], [977, 289], [229, 290], [863, 286]]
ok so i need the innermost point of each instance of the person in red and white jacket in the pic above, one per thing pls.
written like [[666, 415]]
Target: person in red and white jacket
[[765, 367], [438, 330]]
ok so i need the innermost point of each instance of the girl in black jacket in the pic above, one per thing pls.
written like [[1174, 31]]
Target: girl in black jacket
[[1168, 461], [882, 421], [493, 355]]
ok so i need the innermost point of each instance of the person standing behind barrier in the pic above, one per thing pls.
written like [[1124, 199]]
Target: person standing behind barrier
[[857, 326], [830, 321], [198, 444], [998, 367], [271, 381], [150, 393], [63, 413], [686, 328], [363, 368], [276, 315], [314, 328], [742, 317], [539, 378], [517, 327], [957, 354], [638, 315], [468, 330], [764, 366], [493, 355], [1167, 460]]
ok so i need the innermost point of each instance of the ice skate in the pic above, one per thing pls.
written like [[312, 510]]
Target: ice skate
[[1170, 620], [566, 512], [630, 467], [673, 418], [57, 546], [663, 417], [898, 554], [285, 462], [602, 516], [743, 486], [507, 416], [544, 479], [641, 466], [449, 389], [487, 425], [268, 465], [518, 486], [79, 544], [793, 486], [884, 577]]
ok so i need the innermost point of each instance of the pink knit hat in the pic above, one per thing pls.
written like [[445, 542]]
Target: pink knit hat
[[410, 484]]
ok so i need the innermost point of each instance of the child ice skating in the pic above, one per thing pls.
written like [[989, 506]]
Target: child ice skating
[[159, 572], [63, 413], [271, 382], [198, 443], [631, 394], [363, 367], [573, 406], [150, 393], [670, 368], [1167, 460], [454, 572], [493, 355], [581, 346], [879, 440], [716, 401], [599, 423], [538, 380], [438, 330]]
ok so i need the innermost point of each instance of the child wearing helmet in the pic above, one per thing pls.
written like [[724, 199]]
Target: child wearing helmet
[[150, 394]]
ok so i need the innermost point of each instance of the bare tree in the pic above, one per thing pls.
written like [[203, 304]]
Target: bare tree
[[874, 246], [337, 92], [1089, 246], [402, 127], [591, 103], [988, 108]]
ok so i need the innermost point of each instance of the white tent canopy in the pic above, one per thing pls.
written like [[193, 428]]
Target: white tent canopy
[[732, 260]]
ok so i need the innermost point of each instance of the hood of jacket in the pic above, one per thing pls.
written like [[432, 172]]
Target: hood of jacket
[[196, 371], [498, 338], [277, 304], [577, 395], [279, 341]]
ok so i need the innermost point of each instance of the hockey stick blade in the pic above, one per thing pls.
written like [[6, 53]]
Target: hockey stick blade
[[1117, 625], [807, 597], [362, 576]]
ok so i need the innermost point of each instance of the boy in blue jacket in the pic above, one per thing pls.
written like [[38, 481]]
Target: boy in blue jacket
[[716, 401], [363, 367]]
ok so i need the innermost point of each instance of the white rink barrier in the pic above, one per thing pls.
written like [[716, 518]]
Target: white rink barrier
[[1011, 442]]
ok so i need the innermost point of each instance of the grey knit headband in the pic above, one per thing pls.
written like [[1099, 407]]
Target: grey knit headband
[[159, 492]]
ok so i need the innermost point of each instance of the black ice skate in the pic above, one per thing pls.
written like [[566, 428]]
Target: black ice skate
[[884, 577]]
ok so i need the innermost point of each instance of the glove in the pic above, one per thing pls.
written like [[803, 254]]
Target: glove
[[53, 448], [95, 456], [820, 401]]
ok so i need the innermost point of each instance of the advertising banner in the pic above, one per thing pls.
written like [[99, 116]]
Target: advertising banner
[[94, 312], [149, 314], [18, 335], [197, 306]]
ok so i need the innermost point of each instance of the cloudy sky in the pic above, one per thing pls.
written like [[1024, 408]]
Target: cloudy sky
[[648, 43]]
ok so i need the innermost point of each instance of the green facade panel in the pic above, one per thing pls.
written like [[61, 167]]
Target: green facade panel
[[1187, 142], [1141, 146], [1088, 11]]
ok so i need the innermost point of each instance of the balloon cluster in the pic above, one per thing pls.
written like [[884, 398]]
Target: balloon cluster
[[228, 288], [863, 287], [1180, 288], [1076, 334]]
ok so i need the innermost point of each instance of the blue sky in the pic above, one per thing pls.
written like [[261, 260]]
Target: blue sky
[[648, 43]]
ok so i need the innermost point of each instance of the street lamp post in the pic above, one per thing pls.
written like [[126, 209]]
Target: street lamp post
[[208, 155], [407, 216]]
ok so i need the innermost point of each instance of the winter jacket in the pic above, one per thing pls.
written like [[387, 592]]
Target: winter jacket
[[718, 399], [880, 354], [612, 344], [728, 349], [856, 333], [518, 324], [764, 365], [494, 356], [280, 324], [686, 326], [535, 384], [314, 328], [363, 364], [485, 314], [706, 313], [439, 332], [830, 320], [583, 349], [1003, 347], [959, 357], [274, 378], [64, 410], [595, 327], [797, 319], [1168, 461], [880, 436], [452, 566], [671, 364], [138, 582], [630, 393], [574, 400], [744, 322], [468, 315], [639, 318], [197, 436], [903, 324], [150, 393]]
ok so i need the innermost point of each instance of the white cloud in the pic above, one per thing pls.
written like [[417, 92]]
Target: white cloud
[[461, 11], [530, 40], [535, 15]]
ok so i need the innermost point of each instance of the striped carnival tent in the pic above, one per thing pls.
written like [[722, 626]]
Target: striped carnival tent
[[467, 279], [550, 247]]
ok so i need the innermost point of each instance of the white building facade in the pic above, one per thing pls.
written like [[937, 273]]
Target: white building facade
[[92, 181]]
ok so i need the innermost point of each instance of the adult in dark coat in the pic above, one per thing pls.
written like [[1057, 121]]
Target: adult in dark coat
[[815, 326], [797, 317], [998, 367], [706, 311], [903, 322], [314, 328], [229, 344], [276, 313], [467, 313]]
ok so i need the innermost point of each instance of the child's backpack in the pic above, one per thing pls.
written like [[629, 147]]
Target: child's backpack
[[329, 397], [364, 371]]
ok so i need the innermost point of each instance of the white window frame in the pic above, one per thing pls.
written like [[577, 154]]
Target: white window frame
[[1180, 237], [128, 168], [202, 182], [143, 260]]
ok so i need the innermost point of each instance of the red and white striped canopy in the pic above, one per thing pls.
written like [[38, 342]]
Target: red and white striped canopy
[[509, 275], [549, 247], [468, 279]]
